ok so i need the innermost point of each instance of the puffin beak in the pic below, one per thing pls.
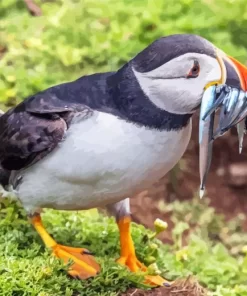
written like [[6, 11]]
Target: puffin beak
[[230, 96], [236, 73], [233, 94]]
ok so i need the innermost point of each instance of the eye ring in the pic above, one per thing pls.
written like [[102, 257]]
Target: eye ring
[[194, 71]]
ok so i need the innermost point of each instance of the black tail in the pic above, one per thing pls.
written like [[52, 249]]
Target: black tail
[[4, 175]]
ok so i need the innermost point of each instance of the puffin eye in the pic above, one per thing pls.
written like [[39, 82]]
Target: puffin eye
[[194, 71]]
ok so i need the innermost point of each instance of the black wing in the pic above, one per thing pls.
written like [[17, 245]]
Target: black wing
[[34, 128]]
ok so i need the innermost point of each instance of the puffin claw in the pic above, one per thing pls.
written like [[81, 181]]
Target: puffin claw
[[87, 252]]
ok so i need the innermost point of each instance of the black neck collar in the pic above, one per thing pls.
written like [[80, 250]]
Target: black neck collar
[[134, 106]]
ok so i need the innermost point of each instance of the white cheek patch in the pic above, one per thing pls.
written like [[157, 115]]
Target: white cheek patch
[[175, 68], [178, 95]]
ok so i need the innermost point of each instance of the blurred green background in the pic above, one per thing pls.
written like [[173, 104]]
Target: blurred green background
[[77, 37]]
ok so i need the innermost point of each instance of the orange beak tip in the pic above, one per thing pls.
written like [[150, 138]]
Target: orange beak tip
[[242, 72]]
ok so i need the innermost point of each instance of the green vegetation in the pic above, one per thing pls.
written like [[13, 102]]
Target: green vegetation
[[213, 251], [79, 37]]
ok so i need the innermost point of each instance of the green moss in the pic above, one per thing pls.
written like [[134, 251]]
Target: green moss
[[27, 268]]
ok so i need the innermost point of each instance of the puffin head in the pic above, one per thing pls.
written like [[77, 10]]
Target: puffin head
[[174, 71]]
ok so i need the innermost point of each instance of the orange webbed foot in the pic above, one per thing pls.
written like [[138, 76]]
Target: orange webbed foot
[[84, 265], [128, 256], [135, 265], [132, 263]]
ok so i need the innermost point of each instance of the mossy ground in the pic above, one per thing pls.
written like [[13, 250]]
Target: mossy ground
[[26, 267]]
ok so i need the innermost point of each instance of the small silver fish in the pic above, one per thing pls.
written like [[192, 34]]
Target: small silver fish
[[241, 131], [223, 115], [236, 110], [243, 111], [233, 108], [233, 111], [222, 90], [206, 135]]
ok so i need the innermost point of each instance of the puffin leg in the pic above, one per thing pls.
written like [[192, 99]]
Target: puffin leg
[[121, 211], [84, 265]]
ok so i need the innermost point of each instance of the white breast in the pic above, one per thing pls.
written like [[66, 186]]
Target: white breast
[[102, 160]]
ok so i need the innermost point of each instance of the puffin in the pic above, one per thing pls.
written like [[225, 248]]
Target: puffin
[[99, 140]]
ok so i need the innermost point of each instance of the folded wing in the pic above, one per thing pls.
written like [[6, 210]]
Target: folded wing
[[34, 128]]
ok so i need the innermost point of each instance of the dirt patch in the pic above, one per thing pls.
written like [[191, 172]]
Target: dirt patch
[[186, 287]]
